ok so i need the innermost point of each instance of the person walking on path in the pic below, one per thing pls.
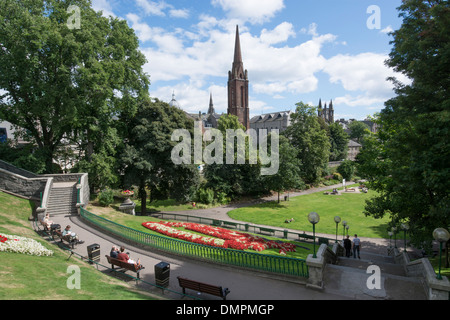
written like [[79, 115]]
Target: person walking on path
[[347, 246], [356, 246]]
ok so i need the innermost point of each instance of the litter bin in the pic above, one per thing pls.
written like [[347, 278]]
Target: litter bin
[[162, 274], [93, 252]]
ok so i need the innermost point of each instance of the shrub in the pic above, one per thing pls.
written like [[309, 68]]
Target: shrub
[[106, 197], [347, 169], [205, 196]]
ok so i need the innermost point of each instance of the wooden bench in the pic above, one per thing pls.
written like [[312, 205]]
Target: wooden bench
[[266, 231], [230, 225], [71, 241], [305, 236], [350, 190], [45, 225], [217, 291], [124, 265]]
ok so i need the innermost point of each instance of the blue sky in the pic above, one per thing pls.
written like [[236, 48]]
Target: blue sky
[[294, 50]]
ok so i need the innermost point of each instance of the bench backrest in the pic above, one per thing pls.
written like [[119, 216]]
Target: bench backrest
[[201, 287], [121, 264]]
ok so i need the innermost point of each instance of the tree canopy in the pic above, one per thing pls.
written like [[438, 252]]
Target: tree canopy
[[63, 83], [408, 160]]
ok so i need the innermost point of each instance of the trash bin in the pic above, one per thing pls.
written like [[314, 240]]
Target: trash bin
[[162, 274], [93, 252]]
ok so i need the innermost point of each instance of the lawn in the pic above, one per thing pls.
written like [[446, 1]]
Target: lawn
[[27, 277], [135, 222], [348, 206]]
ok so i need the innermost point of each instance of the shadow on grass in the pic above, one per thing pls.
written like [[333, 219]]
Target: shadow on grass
[[381, 230]]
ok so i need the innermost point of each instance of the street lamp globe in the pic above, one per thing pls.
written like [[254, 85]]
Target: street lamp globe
[[441, 235], [313, 217]]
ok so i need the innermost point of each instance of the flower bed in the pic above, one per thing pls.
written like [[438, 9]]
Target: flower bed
[[217, 237], [13, 243]]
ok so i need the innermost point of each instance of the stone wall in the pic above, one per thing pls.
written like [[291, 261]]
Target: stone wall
[[316, 266], [437, 289], [26, 187]]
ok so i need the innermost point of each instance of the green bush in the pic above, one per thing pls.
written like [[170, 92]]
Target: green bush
[[347, 169], [205, 196], [106, 197]]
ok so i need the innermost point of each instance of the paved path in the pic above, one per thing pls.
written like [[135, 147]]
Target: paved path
[[244, 285], [221, 213]]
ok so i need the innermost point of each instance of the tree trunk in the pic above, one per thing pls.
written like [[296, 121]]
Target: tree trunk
[[143, 197]]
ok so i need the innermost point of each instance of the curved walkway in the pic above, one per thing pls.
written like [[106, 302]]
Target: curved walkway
[[244, 285], [373, 245]]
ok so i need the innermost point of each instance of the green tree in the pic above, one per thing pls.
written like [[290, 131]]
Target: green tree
[[338, 141], [310, 140], [358, 131], [147, 154], [235, 179], [411, 155], [68, 83], [346, 169], [288, 175]]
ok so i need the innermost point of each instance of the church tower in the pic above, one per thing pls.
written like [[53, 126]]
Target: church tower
[[238, 87]]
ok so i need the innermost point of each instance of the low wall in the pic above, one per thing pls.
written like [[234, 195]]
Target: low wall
[[325, 255], [38, 187], [26, 187], [436, 289]]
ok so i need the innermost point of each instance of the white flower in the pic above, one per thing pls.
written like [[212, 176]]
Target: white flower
[[23, 245]]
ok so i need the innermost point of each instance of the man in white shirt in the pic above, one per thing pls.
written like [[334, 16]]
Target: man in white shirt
[[356, 246]]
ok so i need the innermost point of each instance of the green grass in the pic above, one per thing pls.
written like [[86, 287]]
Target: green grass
[[25, 277], [135, 222], [348, 206], [168, 205]]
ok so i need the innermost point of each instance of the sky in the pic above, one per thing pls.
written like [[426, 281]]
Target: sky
[[294, 51]]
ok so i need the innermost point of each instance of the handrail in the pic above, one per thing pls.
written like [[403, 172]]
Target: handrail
[[242, 259]]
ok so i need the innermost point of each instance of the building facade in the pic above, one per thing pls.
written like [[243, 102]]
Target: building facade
[[326, 113], [272, 121]]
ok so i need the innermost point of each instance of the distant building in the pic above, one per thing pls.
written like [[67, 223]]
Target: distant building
[[272, 121], [354, 149], [238, 83], [7, 131], [326, 113]]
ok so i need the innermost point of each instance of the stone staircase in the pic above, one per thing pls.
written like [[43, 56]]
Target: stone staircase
[[354, 278], [63, 199]]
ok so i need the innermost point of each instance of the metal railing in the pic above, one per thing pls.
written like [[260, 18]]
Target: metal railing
[[242, 259]]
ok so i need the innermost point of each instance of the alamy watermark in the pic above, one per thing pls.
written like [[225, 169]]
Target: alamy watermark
[[374, 21], [74, 21], [74, 280], [236, 153]]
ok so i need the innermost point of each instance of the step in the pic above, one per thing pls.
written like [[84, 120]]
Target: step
[[363, 264], [353, 282]]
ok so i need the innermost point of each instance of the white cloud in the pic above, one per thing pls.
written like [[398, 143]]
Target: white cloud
[[366, 76], [387, 30], [104, 6], [280, 34], [253, 11], [152, 7], [365, 72], [179, 13]]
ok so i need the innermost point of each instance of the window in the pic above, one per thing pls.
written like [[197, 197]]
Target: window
[[3, 135]]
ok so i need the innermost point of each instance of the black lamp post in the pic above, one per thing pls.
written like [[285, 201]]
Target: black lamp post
[[314, 218]]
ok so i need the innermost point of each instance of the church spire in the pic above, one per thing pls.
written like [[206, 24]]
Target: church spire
[[238, 64], [237, 47], [238, 97], [211, 105]]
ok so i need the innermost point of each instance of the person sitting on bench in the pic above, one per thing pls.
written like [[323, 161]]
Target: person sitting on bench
[[71, 235], [47, 221], [122, 256]]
